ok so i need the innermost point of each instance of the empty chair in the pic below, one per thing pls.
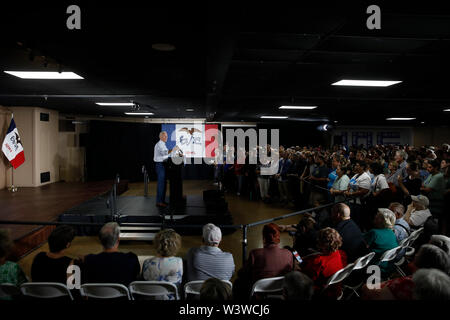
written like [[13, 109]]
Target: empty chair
[[339, 276], [9, 291], [153, 290], [268, 285], [45, 290], [104, 291], [192, 288]]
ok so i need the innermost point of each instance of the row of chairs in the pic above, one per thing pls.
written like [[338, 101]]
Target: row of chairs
[[156, 290]]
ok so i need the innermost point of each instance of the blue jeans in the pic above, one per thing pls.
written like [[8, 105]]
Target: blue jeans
[[161, 186]]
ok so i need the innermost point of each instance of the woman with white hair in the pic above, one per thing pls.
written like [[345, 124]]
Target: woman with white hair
[[382, 237]]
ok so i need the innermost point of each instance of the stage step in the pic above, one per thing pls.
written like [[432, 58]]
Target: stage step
[[127, 228], [139, 236]]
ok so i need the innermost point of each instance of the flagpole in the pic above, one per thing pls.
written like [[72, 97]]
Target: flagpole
[[12, 188]]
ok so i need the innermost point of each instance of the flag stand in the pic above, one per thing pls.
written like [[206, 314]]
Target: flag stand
[[12, 188]]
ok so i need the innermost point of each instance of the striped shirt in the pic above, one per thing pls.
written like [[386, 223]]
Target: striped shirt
[[209, 262]]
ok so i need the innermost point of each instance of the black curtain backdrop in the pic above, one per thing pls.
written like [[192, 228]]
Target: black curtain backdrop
[[123, 148]]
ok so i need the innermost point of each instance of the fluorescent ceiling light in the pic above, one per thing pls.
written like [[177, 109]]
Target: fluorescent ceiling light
[[139, 113], [274, 117], [447, 110], [400, 118], [124, 104], [365, 83], [44, 75], [298, 107], [189, 109]]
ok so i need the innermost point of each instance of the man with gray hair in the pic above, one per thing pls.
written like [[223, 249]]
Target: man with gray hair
[[110, 266], [431, 284], [160, 156], [401, 227], [400, 157], [208, 261]]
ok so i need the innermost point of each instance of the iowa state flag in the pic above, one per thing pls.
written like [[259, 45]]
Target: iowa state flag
[[12, 146]]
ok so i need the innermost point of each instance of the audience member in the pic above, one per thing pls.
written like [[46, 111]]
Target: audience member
[[10, 272], [431, 284], [165, 266], [434, 187], [401, 227], [110, 266], [417, 212], [208, 261], [215, 290], [52, 266], [441, 241], [321, 266], [352, 238], [297, 286]]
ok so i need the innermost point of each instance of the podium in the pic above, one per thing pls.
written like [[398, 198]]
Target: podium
[[175, 177]]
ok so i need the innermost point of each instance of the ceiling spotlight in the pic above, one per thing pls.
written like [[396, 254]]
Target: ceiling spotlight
[[116, 104], [324, 127], [163, 47], [274, 117], [44, 75]]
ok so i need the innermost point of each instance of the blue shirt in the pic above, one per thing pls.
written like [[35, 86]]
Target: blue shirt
[[332, 176]]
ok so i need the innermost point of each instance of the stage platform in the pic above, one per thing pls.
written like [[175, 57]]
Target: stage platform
[[45, 203], [142, 210]]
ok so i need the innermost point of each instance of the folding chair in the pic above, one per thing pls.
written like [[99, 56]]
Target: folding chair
[[268, 285], [338, 277], [153, 290], [45, 290], [359, 264], [104, 291], [192, 288]]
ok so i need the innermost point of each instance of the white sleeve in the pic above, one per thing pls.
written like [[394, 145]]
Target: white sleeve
[[364, 183], [343, 183], [382, 183]]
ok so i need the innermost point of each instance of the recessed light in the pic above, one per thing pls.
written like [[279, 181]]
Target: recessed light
[[401, 119], [422, 122], [365, 83], [48, 75], [274, 117], [189, 109], [298, 107], [139, 113], [123, 104]]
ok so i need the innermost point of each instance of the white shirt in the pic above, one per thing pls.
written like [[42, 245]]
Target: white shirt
[[161, 153], [379, 183], [361, 182], [419, 217]]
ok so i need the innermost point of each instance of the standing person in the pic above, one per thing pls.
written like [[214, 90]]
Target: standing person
[[160, 155], [411, 185], [358, 189], [400, 157], [433, 187], [340, 185]]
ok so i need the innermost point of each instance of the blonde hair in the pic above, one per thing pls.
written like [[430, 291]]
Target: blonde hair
[[388, 218], [167, 242]]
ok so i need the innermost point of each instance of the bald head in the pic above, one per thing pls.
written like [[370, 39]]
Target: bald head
[[340, 212]]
